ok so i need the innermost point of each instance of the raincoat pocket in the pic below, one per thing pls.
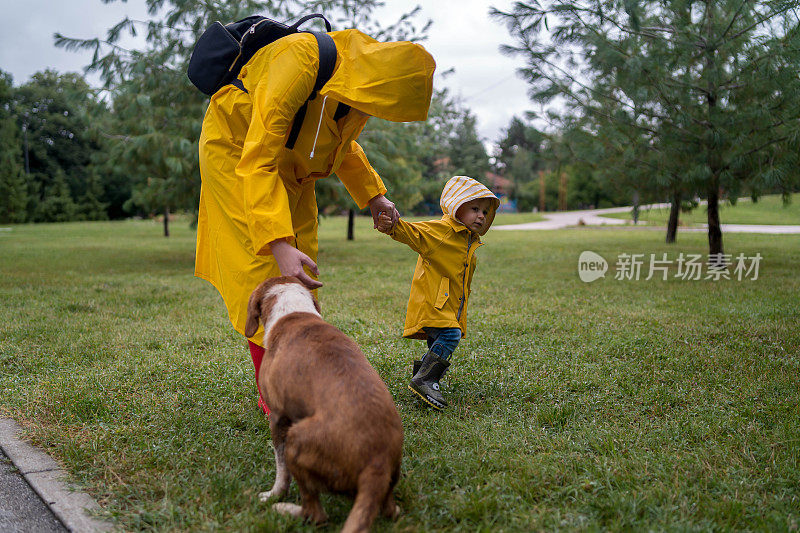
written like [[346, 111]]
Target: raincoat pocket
[[444, 292]]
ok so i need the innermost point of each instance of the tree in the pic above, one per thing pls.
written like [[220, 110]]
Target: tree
[[690, 96], [13, 187], [519, 158], [54, 113], [160, 111], [445, 145], [466, 150], [57, 204]]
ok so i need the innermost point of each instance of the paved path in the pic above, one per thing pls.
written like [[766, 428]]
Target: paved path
[[21, 510], [592, 217], [566, 219], [32, 490]]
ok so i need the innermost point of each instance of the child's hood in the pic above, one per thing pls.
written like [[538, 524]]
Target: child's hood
[[461, 189]]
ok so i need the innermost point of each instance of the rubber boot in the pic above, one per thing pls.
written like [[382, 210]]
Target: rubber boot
[[417, 364], [425, 382]]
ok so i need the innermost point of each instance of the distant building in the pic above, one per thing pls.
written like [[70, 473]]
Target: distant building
[[501, 187]]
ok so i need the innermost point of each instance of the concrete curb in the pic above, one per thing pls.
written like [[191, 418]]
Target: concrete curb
[[46, 478]]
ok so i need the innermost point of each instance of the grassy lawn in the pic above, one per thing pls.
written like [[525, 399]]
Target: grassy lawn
[[622, 405], [768, 210]]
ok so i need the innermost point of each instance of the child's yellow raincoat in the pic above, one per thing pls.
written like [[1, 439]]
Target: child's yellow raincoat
[[441, 284], [254, 190]]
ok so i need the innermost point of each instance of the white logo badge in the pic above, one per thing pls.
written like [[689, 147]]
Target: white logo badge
[[591, 266]]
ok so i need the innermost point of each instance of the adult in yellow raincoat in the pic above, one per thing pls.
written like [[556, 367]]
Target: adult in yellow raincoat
[[258, 211]]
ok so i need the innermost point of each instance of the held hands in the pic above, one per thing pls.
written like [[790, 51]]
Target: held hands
[[380, 204], [384, 224], [291, 260]]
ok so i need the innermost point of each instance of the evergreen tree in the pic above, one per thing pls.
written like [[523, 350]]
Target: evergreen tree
[[466, 151], [57, 204], [690, 97], [90, 205], [519, 158], [13, 188]]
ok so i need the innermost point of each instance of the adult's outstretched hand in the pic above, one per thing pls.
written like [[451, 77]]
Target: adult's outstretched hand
[[291, 260], [380, 204]]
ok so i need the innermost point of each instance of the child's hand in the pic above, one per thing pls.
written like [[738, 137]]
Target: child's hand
[[384, 223]]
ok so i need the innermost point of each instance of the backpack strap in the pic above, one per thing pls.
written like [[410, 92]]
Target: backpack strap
[[295, 27], [341, 110], [236, 82], [327, 62]]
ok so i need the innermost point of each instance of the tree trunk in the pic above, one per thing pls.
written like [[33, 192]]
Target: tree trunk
[[166, 221], [27, 160], [635, 207], [541, 191], [714, 229], [562, 191], [351, 217], [674, 214]]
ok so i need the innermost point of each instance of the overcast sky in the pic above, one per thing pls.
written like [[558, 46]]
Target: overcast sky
[[462, 37]]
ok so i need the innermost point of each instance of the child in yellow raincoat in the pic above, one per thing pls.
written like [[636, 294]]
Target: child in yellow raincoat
[[440, 288], [258, 212]]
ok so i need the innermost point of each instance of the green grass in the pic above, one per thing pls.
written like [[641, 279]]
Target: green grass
[[768, 210], [613, 405]]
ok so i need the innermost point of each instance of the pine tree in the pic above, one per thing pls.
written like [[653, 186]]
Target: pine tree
[[690, 97], [57, 205]]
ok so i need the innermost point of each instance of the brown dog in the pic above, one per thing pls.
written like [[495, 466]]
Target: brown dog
[[334, 424]]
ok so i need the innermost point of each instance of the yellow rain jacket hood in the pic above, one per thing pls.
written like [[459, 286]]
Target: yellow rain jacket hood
[[440, 287], [392, 81], [255, 190]]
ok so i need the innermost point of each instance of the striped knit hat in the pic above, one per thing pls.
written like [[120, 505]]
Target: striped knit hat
[[461, 189]]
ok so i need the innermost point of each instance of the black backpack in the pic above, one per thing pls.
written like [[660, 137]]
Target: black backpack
[[221, 51]]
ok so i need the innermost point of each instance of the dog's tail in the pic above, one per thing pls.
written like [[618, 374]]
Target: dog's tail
[[375, 483]]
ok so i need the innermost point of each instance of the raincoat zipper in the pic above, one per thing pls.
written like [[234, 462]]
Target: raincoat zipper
[[464, 281]]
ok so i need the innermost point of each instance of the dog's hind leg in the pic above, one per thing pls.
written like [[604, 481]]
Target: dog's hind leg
[[374, 483], [279, 426], [304, 458], [312, 509], [390, 509]]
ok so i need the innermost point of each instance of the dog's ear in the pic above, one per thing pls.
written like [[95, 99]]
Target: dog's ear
[[253, 314]]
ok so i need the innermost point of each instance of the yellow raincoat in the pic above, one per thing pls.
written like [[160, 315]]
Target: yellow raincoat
[[440, 287], [254, 190]]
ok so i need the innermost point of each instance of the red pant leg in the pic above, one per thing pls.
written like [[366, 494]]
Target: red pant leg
[[257, 353]]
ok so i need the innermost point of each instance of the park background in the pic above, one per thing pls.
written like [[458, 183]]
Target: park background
[[645, 404]]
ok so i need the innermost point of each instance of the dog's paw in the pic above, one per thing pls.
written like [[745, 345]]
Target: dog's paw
[[276, 491], [288, 508], [392, 513]]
